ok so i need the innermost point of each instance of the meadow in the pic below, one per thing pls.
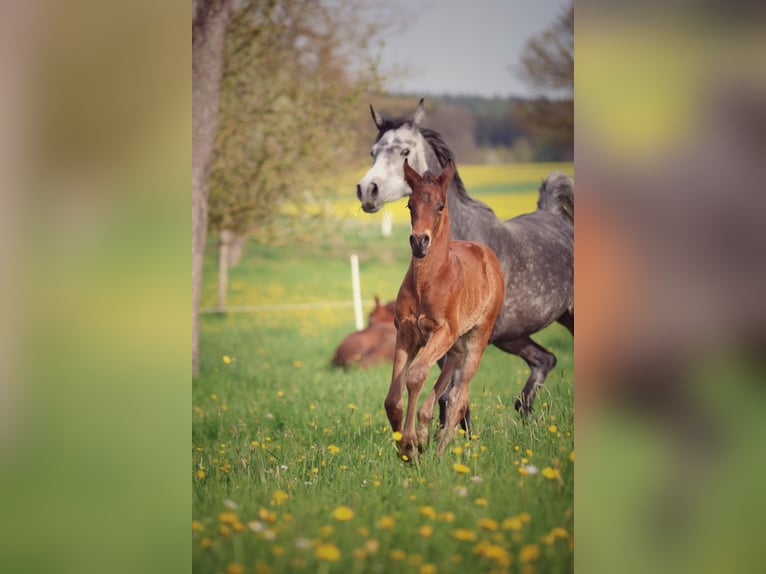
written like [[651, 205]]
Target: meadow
[[294, 467]]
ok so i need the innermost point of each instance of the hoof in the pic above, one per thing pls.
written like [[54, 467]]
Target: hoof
[[526, 410]]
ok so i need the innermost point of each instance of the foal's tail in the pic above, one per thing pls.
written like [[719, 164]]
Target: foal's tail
[[557, 196]]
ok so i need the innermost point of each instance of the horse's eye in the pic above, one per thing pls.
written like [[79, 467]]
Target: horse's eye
[[440, 208], [405, 152], [408, 205], [372, 153]]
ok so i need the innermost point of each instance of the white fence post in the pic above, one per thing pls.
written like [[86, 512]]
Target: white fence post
[[357, 292]]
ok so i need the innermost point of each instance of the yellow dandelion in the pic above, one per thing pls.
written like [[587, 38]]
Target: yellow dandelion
[[333, 449], [514, 523], [297, 364], [360, 553], [427, 511], [464, 534], [280, 394], [553, 428], [487, 524], [205, 542], [480, 502], [405, 458], [328, 552], [326, 531], [458, 450], [415, 559], [397, 555], [571, 456], [426, 531], [525, 517], [460, 468], [448, 516], [224, 530], [397, 436], [343, 513], [363, 531], [234, 568], [529, 553], [278, 497], [201, 473], [529, 452], [371, 546], [523, 471], [559, 532], [428, 568], [387, 522], [227, 359], [550, 473], [227, 517], [197, 526]]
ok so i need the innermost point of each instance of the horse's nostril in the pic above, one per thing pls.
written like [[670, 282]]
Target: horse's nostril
[[359, 192], [412, 240], [373, 190], [426, 240]]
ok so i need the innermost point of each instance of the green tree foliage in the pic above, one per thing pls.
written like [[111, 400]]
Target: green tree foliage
[[294, 74], [548, 65]]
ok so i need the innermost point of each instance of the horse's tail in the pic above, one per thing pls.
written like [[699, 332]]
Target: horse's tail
[[557, 196]]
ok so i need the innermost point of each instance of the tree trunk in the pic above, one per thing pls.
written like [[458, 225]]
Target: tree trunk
[[210, 19]]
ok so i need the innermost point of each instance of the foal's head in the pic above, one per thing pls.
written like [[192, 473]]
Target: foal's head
[[427, 205]]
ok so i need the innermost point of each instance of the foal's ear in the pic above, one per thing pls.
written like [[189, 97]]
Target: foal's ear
[[411, 176], [445, 177], [377, 302], [376, 117], [420, 114]]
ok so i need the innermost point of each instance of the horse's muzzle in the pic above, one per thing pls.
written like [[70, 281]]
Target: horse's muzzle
[[369, 197], [419, 244]]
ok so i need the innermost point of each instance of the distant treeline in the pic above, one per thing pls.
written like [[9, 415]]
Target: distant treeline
[[494, 130]]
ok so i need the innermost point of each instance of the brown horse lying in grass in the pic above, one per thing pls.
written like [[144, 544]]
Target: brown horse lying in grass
[[447, 305], [371, 346]]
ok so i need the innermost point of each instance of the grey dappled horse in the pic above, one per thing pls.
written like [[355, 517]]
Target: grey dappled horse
[[535, 250]]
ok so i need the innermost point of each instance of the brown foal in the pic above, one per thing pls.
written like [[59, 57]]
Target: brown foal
[[447, 305]]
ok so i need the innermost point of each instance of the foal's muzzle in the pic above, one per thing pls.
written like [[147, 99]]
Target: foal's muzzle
[[419, 244]]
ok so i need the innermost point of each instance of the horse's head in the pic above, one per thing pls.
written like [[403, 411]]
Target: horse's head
[[397, 140], [381, 314], [428, 206]]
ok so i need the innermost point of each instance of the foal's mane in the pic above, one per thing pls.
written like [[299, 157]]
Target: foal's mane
[[442, 151]]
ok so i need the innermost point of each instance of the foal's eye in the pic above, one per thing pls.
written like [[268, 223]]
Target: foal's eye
[[408, 205], [405, 152], [440, 208], [372, 153]]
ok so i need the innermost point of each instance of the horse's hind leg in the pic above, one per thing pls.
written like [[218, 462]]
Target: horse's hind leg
[[465, 422], [540, 362], [567, 319]]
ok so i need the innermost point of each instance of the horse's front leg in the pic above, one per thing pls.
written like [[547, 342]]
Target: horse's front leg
[[437, 345], [393, 403], [453, 360]]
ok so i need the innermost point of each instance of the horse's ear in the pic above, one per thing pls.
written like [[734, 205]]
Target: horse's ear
[[377, 302], [445, 177], [376, 117], [411, 176], [419, 114]]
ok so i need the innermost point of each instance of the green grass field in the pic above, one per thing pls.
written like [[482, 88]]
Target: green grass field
[[294, 467]]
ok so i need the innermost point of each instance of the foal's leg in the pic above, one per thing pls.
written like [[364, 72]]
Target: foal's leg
[[453, 360], [393, 404], [465, 422], [438, 344], [540, 364], [474, 342]]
